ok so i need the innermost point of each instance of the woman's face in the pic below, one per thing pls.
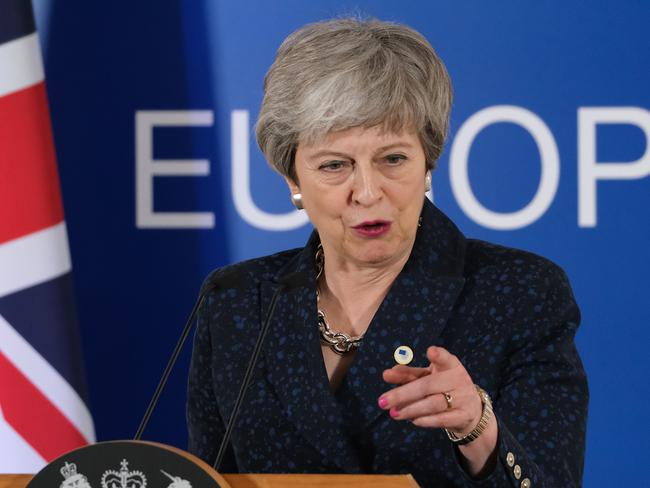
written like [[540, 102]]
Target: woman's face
[[363, 189]]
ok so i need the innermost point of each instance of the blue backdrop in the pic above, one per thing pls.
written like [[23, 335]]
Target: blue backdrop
[[548, 151]]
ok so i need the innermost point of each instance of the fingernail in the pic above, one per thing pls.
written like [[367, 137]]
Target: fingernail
[[383, 402], [394, 412]]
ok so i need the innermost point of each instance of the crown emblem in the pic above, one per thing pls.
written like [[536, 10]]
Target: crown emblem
[[69, 470], [72, 478], [123, 478]]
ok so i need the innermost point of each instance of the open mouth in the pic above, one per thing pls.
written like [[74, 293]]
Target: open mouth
[[372, 227]]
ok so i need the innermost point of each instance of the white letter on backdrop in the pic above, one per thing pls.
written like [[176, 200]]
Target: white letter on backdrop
[[240, 166], [589, 170], [147, 168], [550, 174]]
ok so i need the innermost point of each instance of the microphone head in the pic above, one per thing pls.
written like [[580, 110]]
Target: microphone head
[[223, 278], [233, 277], [295, 280]]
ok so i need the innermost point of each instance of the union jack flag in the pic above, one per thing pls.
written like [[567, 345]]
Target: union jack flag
[[43, 411]]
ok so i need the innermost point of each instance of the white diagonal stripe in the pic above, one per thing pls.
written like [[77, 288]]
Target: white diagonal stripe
[[47, 379], [21, 64], [34, 259]]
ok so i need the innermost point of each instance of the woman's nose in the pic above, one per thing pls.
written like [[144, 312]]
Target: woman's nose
[[366, 189]]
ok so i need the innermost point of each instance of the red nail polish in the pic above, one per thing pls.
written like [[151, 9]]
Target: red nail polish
[[394, 412], [383, 402]]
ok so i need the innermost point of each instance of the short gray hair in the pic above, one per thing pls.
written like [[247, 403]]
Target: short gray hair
[[343, 73]]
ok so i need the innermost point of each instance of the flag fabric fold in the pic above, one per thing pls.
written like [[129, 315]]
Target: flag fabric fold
[[43, 405]]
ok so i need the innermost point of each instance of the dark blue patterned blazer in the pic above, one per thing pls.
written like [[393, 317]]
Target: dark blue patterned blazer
[[508, 315]]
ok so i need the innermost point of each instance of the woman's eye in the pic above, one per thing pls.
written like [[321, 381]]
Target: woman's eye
[[394, 159], [332, 165]]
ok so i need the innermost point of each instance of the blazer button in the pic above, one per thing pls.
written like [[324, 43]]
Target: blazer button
[[510, 459], [517, 471], [525, 483]]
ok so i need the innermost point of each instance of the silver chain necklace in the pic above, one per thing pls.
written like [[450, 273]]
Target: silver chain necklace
[[339, 342]]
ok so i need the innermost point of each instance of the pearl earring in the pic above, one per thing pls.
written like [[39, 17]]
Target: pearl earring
[[427, 182], [296, 199]]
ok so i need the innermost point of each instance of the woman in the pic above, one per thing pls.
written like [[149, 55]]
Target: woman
[[488, 390]]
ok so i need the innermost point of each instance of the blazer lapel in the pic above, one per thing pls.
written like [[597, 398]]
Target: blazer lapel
[[296, 369]]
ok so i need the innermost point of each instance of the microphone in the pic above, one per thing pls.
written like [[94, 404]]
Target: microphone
[[219, 279], [215, 279], [286, 282]]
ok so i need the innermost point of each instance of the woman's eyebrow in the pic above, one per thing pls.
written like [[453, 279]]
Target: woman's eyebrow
[[327, 152], [392, 145]]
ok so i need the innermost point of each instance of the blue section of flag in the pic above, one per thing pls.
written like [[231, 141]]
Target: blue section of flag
[[44, 315], [16, 19]]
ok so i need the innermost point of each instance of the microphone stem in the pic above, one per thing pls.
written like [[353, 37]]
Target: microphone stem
[[169, 367]]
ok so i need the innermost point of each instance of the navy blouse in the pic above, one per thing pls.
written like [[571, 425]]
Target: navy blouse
[[508, 315]]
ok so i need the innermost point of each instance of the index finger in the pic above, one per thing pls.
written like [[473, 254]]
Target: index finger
[[441, 358]]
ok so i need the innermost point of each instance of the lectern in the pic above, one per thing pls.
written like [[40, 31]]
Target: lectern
[[141, 464]]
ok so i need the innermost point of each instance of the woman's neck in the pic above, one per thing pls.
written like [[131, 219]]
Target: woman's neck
[[353, 292]]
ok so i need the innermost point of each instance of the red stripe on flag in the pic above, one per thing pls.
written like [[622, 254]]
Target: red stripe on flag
[[29, 183], [33, 416]]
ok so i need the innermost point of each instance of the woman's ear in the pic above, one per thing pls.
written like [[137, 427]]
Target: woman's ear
[[293, 186]]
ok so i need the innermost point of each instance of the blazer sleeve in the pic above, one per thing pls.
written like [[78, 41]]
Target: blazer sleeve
[[541, 404], [204, 423]]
